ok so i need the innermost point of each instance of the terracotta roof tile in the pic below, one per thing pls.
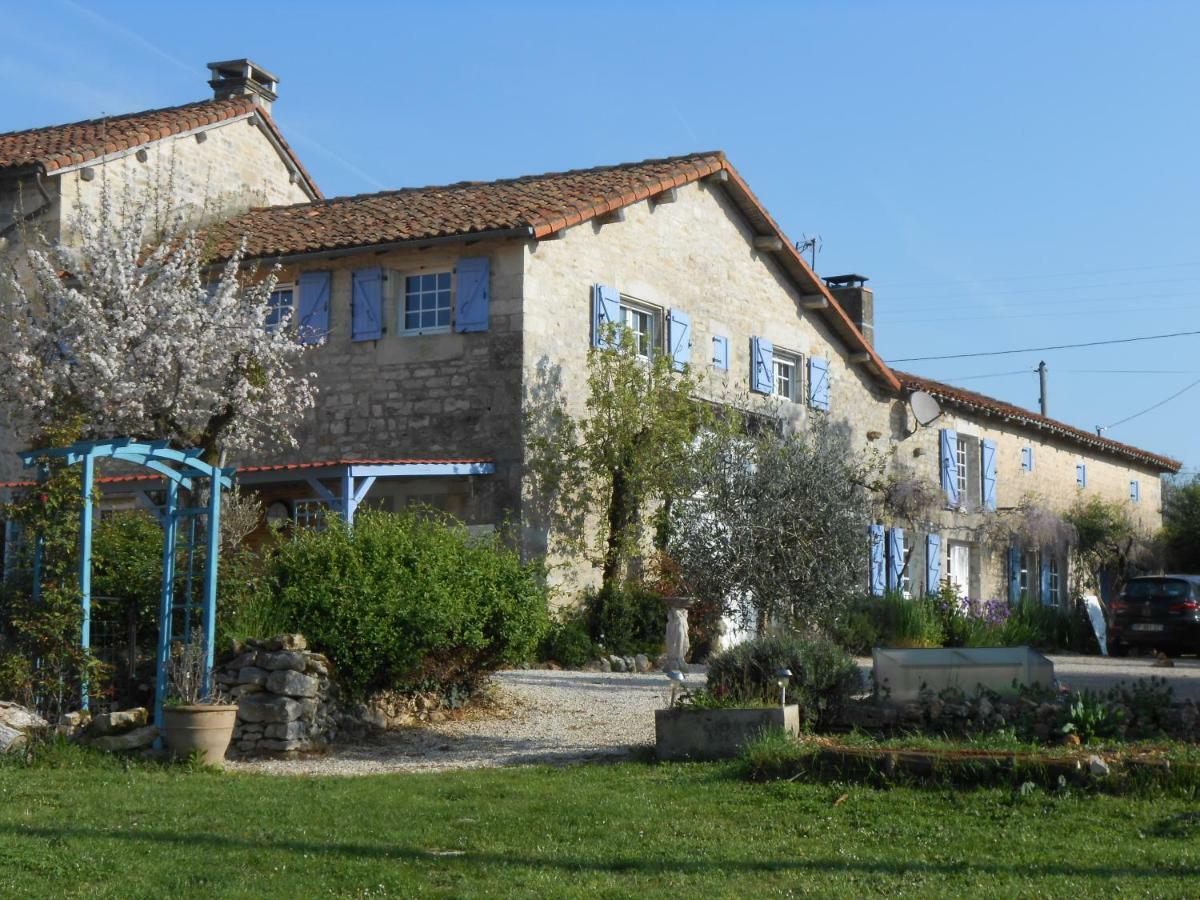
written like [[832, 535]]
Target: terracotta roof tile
[[57, 146], [972, 400], [540, 204]]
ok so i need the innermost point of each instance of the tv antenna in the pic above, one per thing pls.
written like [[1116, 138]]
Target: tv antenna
[[812, 245]]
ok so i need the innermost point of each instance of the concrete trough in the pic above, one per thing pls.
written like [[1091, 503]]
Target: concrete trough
[[682, 734], [902, 675]]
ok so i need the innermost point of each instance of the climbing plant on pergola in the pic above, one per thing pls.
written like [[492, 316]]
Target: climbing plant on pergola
[[184, 472]]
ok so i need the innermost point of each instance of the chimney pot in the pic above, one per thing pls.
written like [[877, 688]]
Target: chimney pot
[[243, 78]]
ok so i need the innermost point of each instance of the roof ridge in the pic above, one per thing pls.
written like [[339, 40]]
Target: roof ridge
[[413, 189], [100, 120]]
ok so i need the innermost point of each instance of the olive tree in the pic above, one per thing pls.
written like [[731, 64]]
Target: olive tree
[[772, 526]]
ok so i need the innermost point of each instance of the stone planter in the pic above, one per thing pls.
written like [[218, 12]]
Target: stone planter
[[717, 733], [204, 727]]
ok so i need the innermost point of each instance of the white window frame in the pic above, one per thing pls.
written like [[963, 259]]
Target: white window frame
[[647, 343], [781, 360], [960, 465], [905, 584], [275, 308], [310, 512], [1055, 597], [402, 302], [1028, 563]]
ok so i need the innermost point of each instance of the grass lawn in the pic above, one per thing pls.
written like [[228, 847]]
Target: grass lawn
[[101, 830]]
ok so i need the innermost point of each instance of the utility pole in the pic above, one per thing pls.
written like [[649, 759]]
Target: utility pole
[[1041, 370]]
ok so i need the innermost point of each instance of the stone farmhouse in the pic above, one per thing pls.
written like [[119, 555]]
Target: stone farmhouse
[[440, 312]]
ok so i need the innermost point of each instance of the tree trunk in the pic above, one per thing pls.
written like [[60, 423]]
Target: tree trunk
[[622, 510]]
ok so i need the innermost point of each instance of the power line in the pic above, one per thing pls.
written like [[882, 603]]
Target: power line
[[1149, 337], [1129, 371], [1091, 313], [1057, 289], [1149, 408], [1034, 277], [988, 375]]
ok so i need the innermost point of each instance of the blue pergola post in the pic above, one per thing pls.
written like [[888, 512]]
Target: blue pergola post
[[211, 569], [85, 564], [166, 598], [178, 467]]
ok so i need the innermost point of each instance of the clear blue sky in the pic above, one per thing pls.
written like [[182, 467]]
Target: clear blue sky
[[1008, 175]]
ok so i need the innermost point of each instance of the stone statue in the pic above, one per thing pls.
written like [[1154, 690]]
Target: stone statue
[[677, 636]]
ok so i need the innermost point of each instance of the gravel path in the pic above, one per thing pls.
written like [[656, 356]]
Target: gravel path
[[543, 716], [540, 716]]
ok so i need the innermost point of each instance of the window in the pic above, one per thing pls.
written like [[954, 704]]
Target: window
[[787, 372], [961, 463], [1135, 491], [644, 325], [1055, 582], [1081, 475], [905, 579], [309, 513], [1027, 459], [427, 302], [279, 307], [1028, 563]]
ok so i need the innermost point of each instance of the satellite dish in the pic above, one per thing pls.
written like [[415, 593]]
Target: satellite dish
[[925, 408]]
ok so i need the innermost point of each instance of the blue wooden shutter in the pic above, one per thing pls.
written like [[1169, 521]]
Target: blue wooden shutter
[[1027, 459], [933, 563], [313, 307], [877, 573], [1081, 475], [989, 474], [720, 358], [762, 365], [1014, 573], [679, 331], [1044, 580], [471, 306], [818, 383], [366, 304], [606, 314], [895, 557], [1135, 491], [949, 464]]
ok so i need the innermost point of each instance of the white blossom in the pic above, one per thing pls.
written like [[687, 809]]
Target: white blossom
[[143, 341]]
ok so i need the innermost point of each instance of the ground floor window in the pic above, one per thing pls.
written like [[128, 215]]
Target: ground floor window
[[309, 513], [958, 567], [1055, 582]]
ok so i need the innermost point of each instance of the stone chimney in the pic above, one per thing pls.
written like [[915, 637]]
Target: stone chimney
[[243, 78], [853, 295]]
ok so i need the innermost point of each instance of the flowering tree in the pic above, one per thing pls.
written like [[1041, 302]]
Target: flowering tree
[[124, 333]]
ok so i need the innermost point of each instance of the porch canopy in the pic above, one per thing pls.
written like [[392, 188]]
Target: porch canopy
[[352, 478]]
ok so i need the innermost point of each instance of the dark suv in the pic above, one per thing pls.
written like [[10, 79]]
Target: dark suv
[[1161, 612]]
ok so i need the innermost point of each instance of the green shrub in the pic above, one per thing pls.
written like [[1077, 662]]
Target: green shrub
[[1036, 625], [823, 675], [890, 620], [567, 641], [627, 619], [409, 601]]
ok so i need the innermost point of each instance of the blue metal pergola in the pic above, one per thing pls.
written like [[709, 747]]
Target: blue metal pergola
[[183, 471]]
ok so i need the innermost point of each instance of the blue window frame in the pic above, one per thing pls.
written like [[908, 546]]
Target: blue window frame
[[427, 302], [279, 307]]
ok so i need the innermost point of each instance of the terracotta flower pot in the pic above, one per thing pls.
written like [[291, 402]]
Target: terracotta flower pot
[[204, 727]]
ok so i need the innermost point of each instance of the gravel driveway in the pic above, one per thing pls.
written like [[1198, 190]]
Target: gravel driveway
[[541, 716]]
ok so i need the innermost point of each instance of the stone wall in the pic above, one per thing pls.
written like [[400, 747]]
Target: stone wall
[[286, 699], [428, 395], [697, 255]]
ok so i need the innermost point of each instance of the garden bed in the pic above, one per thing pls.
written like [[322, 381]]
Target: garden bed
[[1112, 769]]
